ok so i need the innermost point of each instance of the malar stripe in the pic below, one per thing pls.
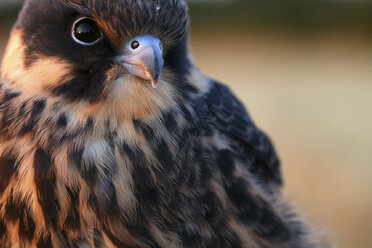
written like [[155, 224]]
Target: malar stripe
[[72, 90], [45, 181], [84, 86], [94, 90]]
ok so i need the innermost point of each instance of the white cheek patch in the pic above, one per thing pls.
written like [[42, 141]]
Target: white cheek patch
[[44, 73], [13, 57]]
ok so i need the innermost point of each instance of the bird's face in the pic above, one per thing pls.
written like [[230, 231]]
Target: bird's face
[[129, 53]]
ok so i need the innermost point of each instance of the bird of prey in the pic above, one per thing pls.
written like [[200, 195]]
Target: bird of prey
[[110, 137]]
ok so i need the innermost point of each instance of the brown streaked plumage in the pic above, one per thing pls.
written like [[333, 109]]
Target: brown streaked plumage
[[92, 155]]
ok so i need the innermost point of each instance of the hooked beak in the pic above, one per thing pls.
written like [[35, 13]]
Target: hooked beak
[[144, 58]]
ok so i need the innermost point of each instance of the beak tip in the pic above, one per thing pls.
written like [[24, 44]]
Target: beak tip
[[155, 78], [154, 82]]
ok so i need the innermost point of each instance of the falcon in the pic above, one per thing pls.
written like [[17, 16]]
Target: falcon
[[110, 137]]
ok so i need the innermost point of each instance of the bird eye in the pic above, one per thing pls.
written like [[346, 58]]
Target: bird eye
[[86, 31]]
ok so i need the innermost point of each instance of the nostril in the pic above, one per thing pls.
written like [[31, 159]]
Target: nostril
[[135, 44]]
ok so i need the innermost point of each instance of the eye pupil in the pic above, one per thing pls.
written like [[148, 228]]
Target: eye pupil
[[135, 44], [86, 31]]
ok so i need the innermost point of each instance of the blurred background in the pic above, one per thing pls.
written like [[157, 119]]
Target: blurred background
[[304, 70]]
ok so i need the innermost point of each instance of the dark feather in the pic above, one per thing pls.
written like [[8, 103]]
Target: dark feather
[[222, 111]]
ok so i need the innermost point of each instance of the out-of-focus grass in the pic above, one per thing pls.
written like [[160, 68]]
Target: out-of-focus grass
[[299, 15], [310, 91]]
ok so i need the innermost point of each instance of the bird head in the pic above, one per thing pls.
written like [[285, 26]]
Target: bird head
[[127, 55]]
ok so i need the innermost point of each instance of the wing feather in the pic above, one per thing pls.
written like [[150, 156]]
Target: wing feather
[[221, 109]]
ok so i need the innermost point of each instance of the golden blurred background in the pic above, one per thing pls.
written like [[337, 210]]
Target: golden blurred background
[[304, 70]]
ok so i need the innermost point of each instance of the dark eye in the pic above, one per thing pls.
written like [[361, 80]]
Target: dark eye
[[86, 31]]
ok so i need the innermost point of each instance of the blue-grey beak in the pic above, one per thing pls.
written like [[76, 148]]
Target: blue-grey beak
[[143, 58]]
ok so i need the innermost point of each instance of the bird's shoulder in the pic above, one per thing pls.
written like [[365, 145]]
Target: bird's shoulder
[[220, 113]]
